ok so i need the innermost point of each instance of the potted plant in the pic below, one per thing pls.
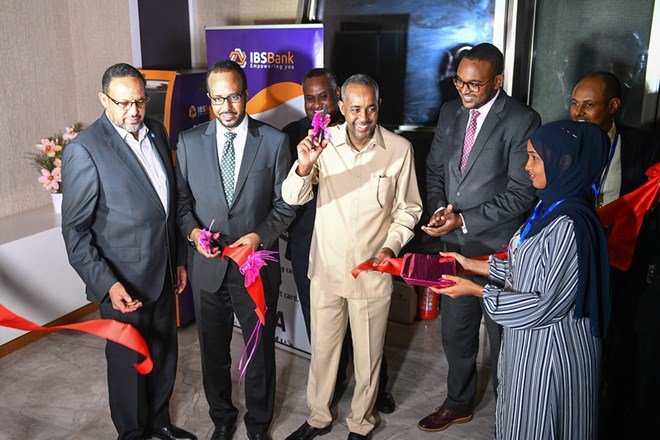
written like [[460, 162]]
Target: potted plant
[[48, 161]]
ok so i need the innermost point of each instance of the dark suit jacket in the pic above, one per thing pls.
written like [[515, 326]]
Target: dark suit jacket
[[257, 205], [113, 223], [494, 194], [636, 157]]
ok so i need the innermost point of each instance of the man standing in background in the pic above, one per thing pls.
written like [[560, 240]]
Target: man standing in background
[[320, 93], [597, 98]]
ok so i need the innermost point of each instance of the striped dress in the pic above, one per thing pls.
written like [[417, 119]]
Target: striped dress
[[549, 361]]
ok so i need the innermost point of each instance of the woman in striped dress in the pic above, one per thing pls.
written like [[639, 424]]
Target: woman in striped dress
[[551, 295]]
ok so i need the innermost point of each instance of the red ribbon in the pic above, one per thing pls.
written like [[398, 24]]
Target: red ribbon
[[119, 332], [626, 215], [393, 266], [239, 255]]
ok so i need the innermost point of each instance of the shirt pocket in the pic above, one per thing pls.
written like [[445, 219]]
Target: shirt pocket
[[384, 187]]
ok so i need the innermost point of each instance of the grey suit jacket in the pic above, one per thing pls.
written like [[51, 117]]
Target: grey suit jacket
[[494, 194], [257, 205], [114, 225]]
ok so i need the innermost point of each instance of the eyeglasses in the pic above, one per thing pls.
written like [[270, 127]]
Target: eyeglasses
[[472, 86], [219, 100], [125, 105]]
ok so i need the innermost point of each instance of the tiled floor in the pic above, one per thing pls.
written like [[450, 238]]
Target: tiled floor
[[55, 388]]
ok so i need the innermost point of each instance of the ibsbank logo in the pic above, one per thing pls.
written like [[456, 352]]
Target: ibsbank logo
[[263, 60], [238, 56]]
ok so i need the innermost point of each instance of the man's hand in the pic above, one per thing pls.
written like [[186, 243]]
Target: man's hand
[[181, 279], [194, 236], [252, 239], [121, 300], [309, 150], [382, 255], [443, 222]]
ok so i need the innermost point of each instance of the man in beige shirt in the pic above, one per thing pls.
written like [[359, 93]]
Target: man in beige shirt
[[367, 205]]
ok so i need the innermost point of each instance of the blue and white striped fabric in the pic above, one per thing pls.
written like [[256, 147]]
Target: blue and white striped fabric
[[549, 361]]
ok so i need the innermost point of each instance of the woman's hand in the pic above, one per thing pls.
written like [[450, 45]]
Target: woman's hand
[[468, 266], [462, 287]]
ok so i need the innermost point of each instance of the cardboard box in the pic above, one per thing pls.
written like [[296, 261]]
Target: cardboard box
[[403, 308]]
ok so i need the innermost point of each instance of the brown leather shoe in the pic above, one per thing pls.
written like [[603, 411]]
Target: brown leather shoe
[[441, 419]]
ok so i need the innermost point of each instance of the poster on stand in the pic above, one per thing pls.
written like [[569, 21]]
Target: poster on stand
[[275, 58]]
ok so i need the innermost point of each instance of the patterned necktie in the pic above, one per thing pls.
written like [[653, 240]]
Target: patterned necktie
[[227, 165], [469, 138]]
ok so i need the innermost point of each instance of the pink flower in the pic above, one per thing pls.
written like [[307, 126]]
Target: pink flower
[[58, 162], [69, 133], [51, 179], [49, 148], [252, 266], [207, 239], [320, 124]]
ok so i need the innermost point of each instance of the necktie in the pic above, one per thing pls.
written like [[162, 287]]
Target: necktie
[[468, 142], [227, 165]]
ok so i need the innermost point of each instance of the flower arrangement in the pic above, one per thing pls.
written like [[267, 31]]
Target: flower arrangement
[[49, 159]]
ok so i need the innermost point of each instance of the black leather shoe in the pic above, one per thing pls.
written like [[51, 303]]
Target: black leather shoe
[[356, 436], [385, 403], [308, 432], [258, 436], [224, 432], [171, 432]]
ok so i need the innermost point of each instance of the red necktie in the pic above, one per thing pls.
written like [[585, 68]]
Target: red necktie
[[470, 134]]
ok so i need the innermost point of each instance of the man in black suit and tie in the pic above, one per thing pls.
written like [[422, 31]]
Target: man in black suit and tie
[[119, 227], [320, 92], [478, 195], [230, 172]]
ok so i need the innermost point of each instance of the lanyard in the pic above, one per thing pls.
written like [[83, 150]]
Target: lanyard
[[601, 181], [528, 225]]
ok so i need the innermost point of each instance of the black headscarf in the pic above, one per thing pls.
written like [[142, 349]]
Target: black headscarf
[[574, 154]]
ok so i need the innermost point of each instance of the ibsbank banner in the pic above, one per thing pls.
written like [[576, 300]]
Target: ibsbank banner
[[274, 58]]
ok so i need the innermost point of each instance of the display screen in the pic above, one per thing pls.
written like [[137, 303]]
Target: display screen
[[157, 91]]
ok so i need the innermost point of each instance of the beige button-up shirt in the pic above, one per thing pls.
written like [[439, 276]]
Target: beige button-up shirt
[[366, 200]]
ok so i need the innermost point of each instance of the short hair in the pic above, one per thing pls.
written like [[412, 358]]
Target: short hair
[[612, 84], [488, 53], [359, 79], [321, 71], [227, 66], [120, 70]]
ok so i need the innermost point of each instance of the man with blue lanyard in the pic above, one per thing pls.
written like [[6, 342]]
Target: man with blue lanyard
[[597, 98]]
